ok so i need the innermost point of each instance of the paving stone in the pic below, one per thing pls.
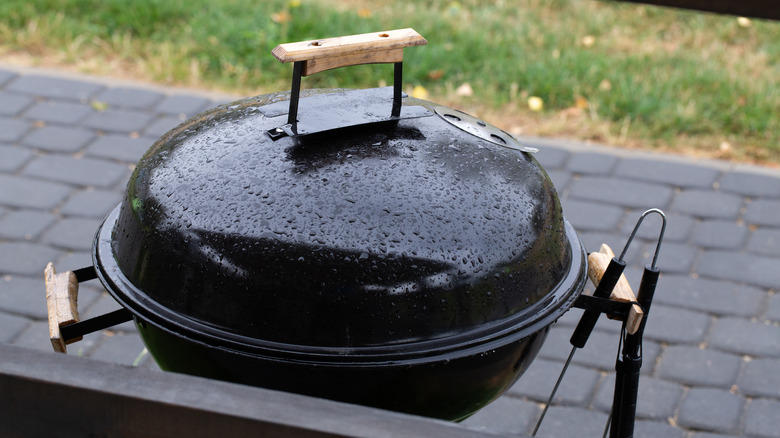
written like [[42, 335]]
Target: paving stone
[[506, 415], [24, 192], [739, 267], [676, 326], [77, 171], [711, 409], [763, 212], [549, 157], [59, 138], [12, 130], [72, 233], [593, 240], [179, 104], [91, 203], [123, 97], [162, 125], [120, 147], [761, 418], [560, 180], [760, 378], [750, 184], [13, 104], [707, 204], [6, 76], [621, 192], [591, 163], [76, 260], [592, 216], [13, 158], [674, 258], [600, 352], [565, 422], [657, 399], [59, 112], [106, 304], [56, 88], [25, 258], [538, 381], [24, 224], [765, 241], [23, 296], [773, 310], [35, 336], [720, 234], [713, 435], [682, 175], [691, 365], [743, 336], [118, 120], [11, 326], [121, 348], [678, 226], [715, 297], [220, 102], [657, 429]]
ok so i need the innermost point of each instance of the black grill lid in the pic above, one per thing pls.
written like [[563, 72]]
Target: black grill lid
[[378, 233]]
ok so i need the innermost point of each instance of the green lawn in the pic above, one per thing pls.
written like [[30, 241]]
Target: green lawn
[[620, 73]]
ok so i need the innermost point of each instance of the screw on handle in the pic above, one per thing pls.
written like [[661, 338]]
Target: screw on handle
[[603, 290]]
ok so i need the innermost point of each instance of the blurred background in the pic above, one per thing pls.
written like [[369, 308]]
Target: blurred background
[[623, 74]]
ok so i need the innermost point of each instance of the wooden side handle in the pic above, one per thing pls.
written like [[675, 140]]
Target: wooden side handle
[[62, 291], [367, 48], [597, 265]]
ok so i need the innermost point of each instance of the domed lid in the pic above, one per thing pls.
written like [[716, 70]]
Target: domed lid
[[353, 228]]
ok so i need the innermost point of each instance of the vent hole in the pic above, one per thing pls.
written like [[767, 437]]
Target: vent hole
[[498, 138], [383, 35], [316, 43], [452, 117]]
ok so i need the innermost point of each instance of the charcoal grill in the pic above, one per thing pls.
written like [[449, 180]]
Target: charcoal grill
[[357, 245]]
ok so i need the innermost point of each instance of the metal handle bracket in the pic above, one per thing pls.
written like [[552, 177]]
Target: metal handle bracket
[[310, 57]]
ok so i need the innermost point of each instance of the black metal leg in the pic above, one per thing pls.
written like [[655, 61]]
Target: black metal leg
[[398, 73], [295, 92]]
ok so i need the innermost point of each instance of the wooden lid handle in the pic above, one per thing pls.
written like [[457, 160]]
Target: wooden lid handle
[[597, 265], [62, 291], [367, 48]]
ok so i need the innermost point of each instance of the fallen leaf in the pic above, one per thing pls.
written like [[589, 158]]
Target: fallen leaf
[[535, 103], [419, 92], [464, 90], [98, 105], [364, 13], [435, 74], [295, 3], [588, 40], [580, 102], [744, 22], [605, 85], [281, 17]]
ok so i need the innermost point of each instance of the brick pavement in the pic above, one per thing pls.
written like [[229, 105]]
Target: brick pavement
[[712, 346]]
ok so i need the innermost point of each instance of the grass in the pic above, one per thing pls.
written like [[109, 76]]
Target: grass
[[636, 76]]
